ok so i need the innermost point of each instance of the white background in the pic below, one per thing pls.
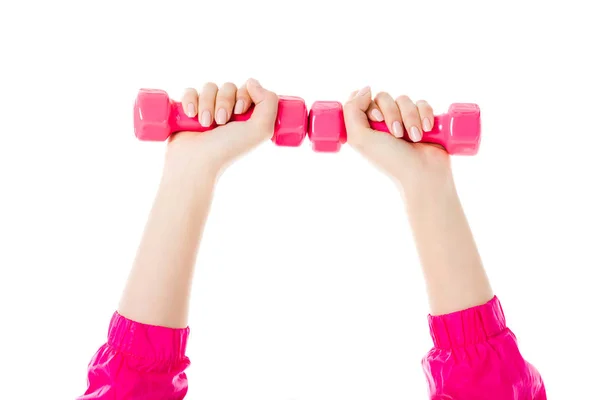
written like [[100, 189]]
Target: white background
[[308, 286]]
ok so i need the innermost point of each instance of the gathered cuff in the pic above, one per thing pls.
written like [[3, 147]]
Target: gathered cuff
[[473, 325], [149, 342]]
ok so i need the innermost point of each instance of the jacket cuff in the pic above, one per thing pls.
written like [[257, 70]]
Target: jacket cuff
[[147, 341], [473, 325]]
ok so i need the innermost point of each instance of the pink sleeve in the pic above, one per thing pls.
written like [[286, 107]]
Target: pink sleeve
[[475, 356], [139, 362]]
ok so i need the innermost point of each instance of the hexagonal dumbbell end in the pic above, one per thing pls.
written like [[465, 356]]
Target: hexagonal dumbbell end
[[156, 117], [151, 113], [290, 125], [326, 129], [463, 134]]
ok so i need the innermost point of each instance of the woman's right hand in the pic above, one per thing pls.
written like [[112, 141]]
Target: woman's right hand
[[214, 150]]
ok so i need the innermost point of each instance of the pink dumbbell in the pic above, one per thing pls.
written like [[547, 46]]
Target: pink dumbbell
[[458, 131], [156, 117]]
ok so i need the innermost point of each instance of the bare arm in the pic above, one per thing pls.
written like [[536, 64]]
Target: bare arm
[[159, 284], [475, 355], [454, 274], [145, 352], [453, 271]]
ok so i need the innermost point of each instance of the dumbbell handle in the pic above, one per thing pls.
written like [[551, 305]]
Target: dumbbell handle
[[179, 120], [435, 135]]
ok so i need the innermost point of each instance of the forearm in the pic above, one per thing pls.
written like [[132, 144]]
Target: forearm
[[159, 285], [454, 274]]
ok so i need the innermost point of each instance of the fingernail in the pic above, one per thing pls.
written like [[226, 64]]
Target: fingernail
[[426, 125], [415, 134], [205, 120], [221, 116], [363, 91], [191, 110], [377, 115], [397, 129], [239, 107]]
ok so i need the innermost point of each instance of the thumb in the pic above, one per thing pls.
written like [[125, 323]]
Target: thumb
[[266, 103], [355, 115]]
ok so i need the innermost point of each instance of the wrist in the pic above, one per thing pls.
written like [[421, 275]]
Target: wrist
[[180, 165], [426, 192], [188, 180]]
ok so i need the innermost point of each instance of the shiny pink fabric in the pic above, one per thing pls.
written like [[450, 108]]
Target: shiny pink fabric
[[139, 362], [475, 357]]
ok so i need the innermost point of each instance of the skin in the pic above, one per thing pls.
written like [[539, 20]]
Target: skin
[[158, 289], [453, 271]]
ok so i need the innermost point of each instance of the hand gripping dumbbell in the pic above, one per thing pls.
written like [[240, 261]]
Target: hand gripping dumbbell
[[458, 131], [156, 117]]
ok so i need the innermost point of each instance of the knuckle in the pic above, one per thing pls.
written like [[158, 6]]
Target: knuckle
[[411, 115], [224, 103], [402, 99], [229, 86], [224, 95], [242, 94], [349, 106], [190, 94], [424, 105], [382, 96], [206, 102], [210, 87], [271, 97]]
